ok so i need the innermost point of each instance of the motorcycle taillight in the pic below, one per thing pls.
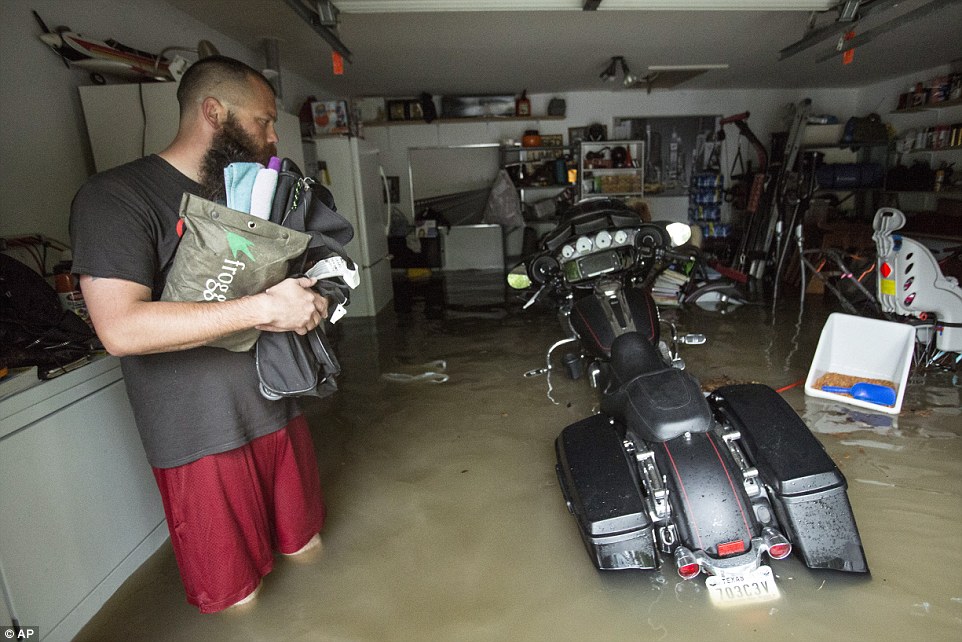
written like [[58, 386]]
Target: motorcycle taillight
[[731, 548], [689, 571], [778, 546], [688, 566]]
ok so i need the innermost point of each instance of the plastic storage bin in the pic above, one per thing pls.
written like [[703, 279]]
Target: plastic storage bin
[[861, 347]]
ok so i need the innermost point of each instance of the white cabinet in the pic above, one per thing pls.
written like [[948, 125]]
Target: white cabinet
[[613, 168], [79, 509], [127, 121]]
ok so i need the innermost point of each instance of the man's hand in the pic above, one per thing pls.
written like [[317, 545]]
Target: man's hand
[[293, 306]]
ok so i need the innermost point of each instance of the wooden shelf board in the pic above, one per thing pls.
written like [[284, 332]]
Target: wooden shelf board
[[928, 107], [472, 119]]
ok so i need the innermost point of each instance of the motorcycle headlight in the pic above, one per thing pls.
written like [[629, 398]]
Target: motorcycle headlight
[[680, 233]]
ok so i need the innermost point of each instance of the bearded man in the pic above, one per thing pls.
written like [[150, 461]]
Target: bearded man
[[237, 473]]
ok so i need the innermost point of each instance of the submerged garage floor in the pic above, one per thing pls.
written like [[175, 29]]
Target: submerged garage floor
[[446, 521]]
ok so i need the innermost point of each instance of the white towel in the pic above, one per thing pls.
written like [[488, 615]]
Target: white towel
[[262, 194]]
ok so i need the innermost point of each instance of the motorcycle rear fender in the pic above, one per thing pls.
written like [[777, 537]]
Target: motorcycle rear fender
[[809, 491], [709, 504], [603, 493]]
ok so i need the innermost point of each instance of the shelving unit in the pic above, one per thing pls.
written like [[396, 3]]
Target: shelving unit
[[938, 139], [537, 176], [600, 173]]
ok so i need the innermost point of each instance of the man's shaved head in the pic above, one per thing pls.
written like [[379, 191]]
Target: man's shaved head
[[223, 78]]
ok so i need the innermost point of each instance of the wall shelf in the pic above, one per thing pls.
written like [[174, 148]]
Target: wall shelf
[[950, 194], [470, 119], [928, 107], [932, 150]]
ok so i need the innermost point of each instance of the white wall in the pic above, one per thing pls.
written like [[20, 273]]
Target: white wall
[[767, 109], [44, 151], [583, 108]]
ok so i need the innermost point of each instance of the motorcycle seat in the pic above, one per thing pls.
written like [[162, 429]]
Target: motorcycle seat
[[653, 400]]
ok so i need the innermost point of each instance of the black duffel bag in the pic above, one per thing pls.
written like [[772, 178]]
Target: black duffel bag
[[290, 364]]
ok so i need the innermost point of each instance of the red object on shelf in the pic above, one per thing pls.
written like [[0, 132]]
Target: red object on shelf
[[522, 106], [849, 55]]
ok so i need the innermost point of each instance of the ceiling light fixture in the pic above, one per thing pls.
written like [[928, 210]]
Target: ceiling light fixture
[[629, 78], [609, 73]]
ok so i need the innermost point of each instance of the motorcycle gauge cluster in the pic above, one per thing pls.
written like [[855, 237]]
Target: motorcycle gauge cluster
[[603, 240], [599, 253]]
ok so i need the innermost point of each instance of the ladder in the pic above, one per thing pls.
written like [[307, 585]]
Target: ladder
[[779, 209]]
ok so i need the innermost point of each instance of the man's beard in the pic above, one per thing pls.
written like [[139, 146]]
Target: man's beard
[[230, 145]]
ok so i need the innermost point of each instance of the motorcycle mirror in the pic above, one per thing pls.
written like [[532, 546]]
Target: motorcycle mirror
[[518, 278], [680, 233]]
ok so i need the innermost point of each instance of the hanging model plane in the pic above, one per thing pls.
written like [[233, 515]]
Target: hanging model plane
[[101, 58]]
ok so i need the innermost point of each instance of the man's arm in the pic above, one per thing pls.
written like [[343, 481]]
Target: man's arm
[[128, 322]]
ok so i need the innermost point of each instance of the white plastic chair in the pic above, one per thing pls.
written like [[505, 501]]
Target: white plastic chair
[[911, 283]]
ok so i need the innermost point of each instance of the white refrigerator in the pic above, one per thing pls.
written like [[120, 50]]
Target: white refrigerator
[[357, 180]]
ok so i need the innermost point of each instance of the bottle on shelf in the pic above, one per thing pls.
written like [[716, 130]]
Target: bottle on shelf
[[522, 106]]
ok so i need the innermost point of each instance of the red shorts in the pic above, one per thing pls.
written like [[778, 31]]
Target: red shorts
[[228, 512]]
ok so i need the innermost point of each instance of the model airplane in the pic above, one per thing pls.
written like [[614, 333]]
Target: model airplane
[[104, 57]]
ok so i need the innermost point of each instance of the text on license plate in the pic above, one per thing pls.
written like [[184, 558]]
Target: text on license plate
[[756, 586]]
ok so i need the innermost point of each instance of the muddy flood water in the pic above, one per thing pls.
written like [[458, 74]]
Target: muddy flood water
[[446, 521]]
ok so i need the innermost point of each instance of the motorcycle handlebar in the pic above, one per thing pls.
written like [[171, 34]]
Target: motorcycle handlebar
[[680, 255]]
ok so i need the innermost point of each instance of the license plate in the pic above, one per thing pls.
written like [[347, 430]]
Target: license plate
[[756, 586]]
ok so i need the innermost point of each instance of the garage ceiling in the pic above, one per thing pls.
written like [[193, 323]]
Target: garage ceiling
[[405, 47]]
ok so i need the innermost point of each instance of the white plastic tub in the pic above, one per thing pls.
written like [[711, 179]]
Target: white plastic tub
[[864, 348]]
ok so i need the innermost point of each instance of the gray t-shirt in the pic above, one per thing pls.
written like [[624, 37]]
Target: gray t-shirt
[[188, 403]]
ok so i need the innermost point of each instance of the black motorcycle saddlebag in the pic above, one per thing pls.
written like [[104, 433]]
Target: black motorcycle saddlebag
[[604, 496], [590, 320], [809, 495]]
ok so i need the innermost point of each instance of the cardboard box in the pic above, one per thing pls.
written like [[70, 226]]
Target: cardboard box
[[822, 134], [330, 117], [865, 348]]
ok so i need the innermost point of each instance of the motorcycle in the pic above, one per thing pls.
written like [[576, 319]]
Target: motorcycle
[[717, 484]]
